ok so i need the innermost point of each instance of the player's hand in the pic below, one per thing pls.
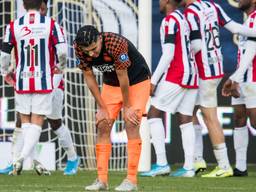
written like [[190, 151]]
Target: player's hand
[[152, 89], [9, 78], [235, 90], [226, 89], [56, 70], [131, 115], [102, 115]]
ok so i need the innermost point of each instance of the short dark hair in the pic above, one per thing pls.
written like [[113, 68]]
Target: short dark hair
[[86, 35], [45, 1], [32, 4]]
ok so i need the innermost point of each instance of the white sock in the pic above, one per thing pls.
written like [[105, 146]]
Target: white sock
[[158, 136], [221, 155], [65, 141], [241, 139], [188, 143], [17, 143], [198, 143], [31, 137]]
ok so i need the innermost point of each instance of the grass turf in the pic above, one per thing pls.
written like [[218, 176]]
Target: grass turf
[[30, 182]]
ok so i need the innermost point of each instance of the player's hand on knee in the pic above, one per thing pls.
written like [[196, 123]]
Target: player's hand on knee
[[226, 89], [102, 115], [131, 115]]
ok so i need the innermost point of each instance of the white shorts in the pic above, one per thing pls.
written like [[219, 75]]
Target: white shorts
[[247, 95], [207, 94], [40, 104], [172, 98], [57, 104]]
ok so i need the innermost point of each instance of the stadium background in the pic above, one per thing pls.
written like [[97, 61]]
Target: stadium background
[[173, 145]]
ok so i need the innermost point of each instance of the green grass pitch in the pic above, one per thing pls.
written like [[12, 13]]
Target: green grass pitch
[[30, 182]]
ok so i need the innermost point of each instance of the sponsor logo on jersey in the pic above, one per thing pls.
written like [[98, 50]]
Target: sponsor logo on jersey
[[25, 31]]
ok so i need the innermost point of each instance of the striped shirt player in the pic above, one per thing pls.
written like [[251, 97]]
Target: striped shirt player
[[205, 19], [35, 38], [175, 81], [245, 75], [175, 77]]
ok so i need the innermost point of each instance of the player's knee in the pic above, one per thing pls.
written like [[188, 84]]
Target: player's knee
[[104, 128], [55, 123]]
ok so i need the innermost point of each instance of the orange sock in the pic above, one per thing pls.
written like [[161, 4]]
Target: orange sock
[[102, 155], [134, 149]]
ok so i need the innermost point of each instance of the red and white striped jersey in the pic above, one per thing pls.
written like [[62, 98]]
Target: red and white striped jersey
[[182, 70], [250, 74], [204, 20], [34, 38]]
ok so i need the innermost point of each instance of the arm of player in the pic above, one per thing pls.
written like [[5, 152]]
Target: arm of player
[[5, 59], [129, 113], [232, 26], [164, 62], [61, 51], [237, 28], [196, 45], [245, 61], [92, 84]]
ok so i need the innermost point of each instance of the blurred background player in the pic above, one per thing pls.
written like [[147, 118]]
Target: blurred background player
[[55, 120], [242, 86], [35, 38], [204, 19], [173, 89], [126, 85]]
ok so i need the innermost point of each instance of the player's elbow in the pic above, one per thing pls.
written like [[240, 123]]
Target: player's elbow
[[5, 59], [62, 55]]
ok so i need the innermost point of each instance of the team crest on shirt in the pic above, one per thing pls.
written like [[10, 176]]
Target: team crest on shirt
[[123, 57]]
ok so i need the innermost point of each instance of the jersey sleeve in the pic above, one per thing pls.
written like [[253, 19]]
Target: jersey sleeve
[[57, 34], [194, 25], [170, 31], [222, 16], [118, 49], [8, 41], [252, 24]]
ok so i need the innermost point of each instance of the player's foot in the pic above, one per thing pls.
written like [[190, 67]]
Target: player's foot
[[97, 185], [72, 167], [17, 167], [126, 185], [40, 169], [200, 166], [219, 173], [6, 170], [238, 173], [183, 173], [157, 170]]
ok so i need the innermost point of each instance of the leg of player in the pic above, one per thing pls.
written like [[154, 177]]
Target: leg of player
[[219, 146], [103, 152], [157, 131], [199, 164], [188, 143], [138, 96], [17, 144], [66, 143], [241, 139], [32, 127]]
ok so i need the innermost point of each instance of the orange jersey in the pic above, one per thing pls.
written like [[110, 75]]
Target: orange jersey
[[117, 53]]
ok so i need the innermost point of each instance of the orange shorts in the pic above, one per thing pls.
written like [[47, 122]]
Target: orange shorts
[[138, 93]]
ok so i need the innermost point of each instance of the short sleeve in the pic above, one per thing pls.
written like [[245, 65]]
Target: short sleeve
[[8, 41], [194, 25], [171, 28], [57, 33]]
